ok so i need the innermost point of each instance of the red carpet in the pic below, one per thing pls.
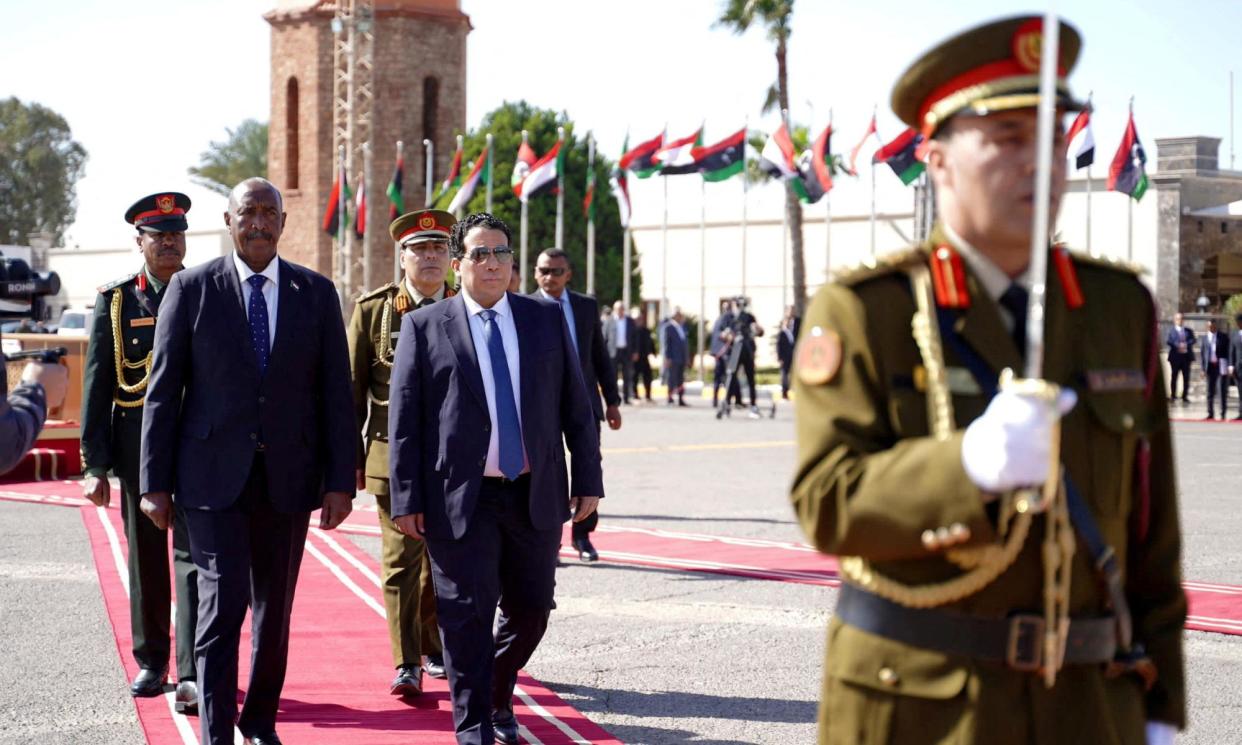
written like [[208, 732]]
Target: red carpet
[[339, 660]]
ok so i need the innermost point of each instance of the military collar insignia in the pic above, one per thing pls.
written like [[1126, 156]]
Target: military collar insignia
[[948, 272], [1064, 263]]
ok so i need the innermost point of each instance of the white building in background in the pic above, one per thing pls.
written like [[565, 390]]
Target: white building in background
[[1164, 233]]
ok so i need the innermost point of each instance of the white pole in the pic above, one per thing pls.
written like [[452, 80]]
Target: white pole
[[366, 237], [560, 193], [1089, 210], [873, 207], [745, 195], [1129, 228], [430, 150], [461, 166], [702, 272], [488, 205], [522, 253], [627, 274], [664, 254], [785, 252], [590, 216], [828, 217]]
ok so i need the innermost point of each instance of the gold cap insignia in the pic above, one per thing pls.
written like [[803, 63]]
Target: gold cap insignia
[[166, 203], [426, 222]]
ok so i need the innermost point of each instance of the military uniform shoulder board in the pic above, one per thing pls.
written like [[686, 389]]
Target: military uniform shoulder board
[[1063, 261], [948, 273], [378, 292], [117, 282], [872, 268]]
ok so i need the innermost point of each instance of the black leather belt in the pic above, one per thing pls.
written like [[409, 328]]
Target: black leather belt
[[1016, 641]]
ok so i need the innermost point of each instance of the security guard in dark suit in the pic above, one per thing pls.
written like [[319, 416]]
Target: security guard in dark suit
[[968, 614], [118, 363], [409, 593]]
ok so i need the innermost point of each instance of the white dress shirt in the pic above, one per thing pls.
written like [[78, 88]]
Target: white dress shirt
[[622, 342], [271, 291], [994, 280], [509, 337], [568, 310]]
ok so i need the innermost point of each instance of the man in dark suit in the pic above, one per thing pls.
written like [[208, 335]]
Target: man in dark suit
[[644, 349], [1235, 362], [675, 349], [249, 421], [619, 338], [1181, 343], [1214, 359], [720, 348], [484, 387], [553, 271], [791, 324]]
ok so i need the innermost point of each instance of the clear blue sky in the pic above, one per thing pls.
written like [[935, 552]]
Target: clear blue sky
[[146, 85]]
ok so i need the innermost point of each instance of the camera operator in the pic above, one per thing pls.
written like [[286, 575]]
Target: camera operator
[[22, 414], [742, 333]]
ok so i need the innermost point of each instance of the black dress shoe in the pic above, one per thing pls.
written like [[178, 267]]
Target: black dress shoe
[[409, 681], [505, 726], [435, 666], [586, 552], [269, 739], [148, 683], [186, 701]]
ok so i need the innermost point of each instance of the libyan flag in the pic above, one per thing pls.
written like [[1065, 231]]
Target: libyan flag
[[543, 174], [723, 159], [641, 160], [478, 175], [1128, 171], [337, 212], [815, 169], [396, 201], [676, 158], [901, 155]]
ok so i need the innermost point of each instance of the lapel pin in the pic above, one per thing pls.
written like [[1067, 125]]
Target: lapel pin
[[294, 285]]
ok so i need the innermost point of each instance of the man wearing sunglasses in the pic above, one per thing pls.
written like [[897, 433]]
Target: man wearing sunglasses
[[405, 571], [553, 271], [486, 392]]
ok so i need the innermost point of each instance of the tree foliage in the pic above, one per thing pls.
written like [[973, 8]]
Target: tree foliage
[[241, 156], [40, 164], [505, 124]]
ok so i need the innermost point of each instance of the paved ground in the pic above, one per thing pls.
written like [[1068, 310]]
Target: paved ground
[[655, 656]]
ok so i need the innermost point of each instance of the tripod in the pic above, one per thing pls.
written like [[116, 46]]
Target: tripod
[[725, 408]]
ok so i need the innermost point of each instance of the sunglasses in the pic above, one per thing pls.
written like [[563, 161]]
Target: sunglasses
[[555, 271], [503, 254]]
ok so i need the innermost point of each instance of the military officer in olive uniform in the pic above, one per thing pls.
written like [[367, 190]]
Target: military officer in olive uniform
[[971, 611], [409, 594], [118, 363]]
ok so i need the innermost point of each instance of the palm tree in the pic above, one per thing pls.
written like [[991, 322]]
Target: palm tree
[[775, 16]]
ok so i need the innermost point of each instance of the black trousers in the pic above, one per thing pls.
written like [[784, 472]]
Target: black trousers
[[149, 591], [1182, 368], [1217, 383], [247, 556], [785, 383], [623, 366], [746, 363], [721, 372], [642, 373], [502, 560]]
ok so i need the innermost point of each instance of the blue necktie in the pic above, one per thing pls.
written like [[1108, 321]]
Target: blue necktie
[[508, 428], [569, 319], [258, 322]]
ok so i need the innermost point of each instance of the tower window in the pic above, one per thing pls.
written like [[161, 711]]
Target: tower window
[[291, 134], [431, 107]]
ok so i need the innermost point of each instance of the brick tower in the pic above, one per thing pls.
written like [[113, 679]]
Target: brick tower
[[419, 93]]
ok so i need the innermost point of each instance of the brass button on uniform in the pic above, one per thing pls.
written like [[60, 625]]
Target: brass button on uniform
[[254, 436], [888, 676]]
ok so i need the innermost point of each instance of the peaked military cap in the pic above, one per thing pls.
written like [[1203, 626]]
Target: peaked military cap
[[160, 213], [994, 67], [422, 226]]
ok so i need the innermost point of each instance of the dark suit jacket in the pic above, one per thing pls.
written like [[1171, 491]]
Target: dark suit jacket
[[1235, 353], [597, 370], [439, 427], [718, 345], [1222, 350], [207, 406], [1171, 340], [674, 346], [785, 345]]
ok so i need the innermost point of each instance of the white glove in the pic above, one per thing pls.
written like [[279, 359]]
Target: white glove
[[1010, 445], [1160, 733]]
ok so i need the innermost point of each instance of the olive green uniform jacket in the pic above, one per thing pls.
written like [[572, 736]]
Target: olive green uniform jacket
[[870, 480]]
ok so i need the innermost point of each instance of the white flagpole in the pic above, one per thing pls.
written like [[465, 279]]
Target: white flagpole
[[461, 166], [702, 271], [1130, 203], [429, 149], [591, 216], [560, 192], [396, 249], [785, 226], [488, 205], [522, 254], [873, 207], [828, 215], [627, 274], [664, 253], [745, 194]]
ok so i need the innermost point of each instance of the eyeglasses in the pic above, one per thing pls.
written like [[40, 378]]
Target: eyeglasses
[[503, 254], [555, 271]]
